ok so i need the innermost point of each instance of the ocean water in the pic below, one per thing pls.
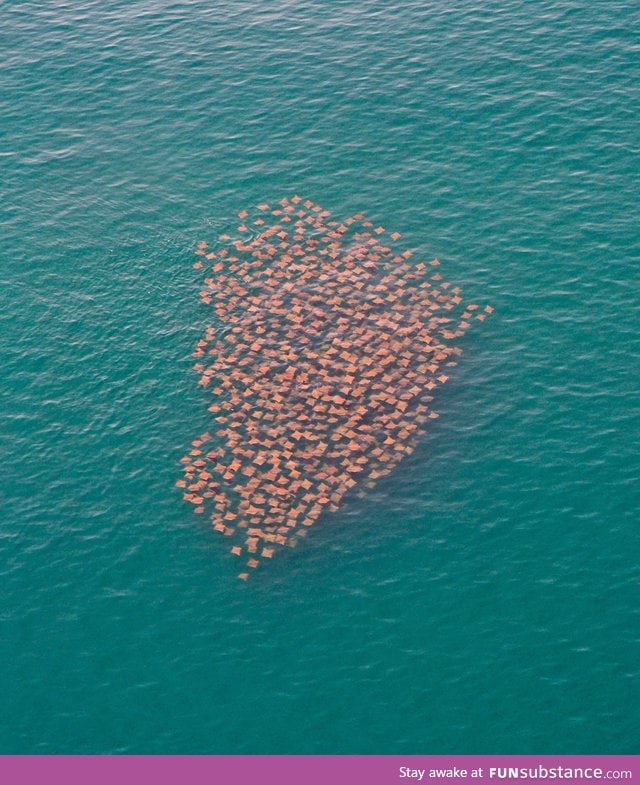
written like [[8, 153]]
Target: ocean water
[[484, 599]]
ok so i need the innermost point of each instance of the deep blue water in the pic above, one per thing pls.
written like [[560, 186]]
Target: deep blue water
[[484, 599]]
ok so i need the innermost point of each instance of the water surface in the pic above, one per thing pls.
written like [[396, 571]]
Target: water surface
[[484, 598]]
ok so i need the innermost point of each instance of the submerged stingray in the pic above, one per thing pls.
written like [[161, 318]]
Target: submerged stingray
[[326, 346]]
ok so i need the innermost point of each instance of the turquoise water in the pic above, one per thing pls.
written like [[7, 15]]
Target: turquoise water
[[484, 598]]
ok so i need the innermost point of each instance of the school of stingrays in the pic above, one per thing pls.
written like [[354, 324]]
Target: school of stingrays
[[327, 345]]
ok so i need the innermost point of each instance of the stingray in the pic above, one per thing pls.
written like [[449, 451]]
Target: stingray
[[325, 347]]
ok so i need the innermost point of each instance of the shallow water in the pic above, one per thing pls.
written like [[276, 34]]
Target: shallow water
[[484, 598]]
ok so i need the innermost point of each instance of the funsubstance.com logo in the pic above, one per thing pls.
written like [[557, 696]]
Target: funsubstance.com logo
[[557, 772]]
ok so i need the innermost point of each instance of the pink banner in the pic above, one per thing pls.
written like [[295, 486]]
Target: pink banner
[[316, 770]]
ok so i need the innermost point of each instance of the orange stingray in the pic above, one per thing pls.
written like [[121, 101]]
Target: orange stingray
[[323, 348]]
